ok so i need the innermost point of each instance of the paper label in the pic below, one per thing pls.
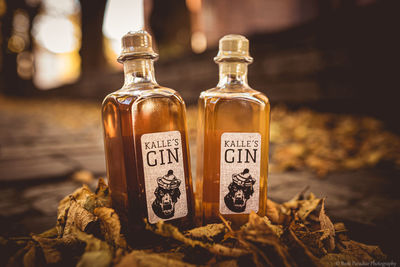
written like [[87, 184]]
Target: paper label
[[164, 176], [239, 173]]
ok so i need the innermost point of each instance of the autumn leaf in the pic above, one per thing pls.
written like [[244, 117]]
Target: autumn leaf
[[327, 227], [110, 226], [209, 232], [170, 231], [148, 259], [81, 218]]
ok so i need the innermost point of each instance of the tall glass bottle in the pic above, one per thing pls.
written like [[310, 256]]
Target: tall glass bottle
[[145, 138], [233, 141]]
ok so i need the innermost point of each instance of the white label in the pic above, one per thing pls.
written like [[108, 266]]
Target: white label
[[239, 173], [164, 176]]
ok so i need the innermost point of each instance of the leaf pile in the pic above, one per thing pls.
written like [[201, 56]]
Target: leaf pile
[[326, 142], [295, 233]]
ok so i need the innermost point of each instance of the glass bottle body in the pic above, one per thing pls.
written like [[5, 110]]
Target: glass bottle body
[[141, 107], [230, 108]]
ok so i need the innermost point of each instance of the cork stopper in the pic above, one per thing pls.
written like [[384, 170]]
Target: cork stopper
[[233, 47], [137, 45]]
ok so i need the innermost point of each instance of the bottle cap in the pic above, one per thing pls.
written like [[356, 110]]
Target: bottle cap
[[233, 47], [137, 45]]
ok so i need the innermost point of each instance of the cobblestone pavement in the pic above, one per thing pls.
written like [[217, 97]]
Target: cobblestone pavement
[[41, 146]]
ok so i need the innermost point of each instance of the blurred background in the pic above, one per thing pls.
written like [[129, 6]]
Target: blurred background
[[329, 67]]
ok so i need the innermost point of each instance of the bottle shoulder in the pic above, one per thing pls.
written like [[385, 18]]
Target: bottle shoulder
[[234, 93], [130, 95]]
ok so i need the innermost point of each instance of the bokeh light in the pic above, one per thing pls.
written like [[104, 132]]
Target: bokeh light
[[57, 34], [120, 17]]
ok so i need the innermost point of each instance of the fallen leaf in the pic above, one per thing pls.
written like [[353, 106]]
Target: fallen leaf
[[110, 226], [168, 230], [148, 259], [59, 250], [273, 211], [209, 232], [81, 218], [327, 227]]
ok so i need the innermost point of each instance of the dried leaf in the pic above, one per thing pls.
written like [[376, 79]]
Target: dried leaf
[[327, 228], [362, 252], [18, 258], [32, 257], [79, 196], [147, 259], [307, 206], [259, 238], [273, 211], [210, 232], [97, 252], [340, 227], [168, 230], [301, 251], [334, 259], [277, 229], [59, 250], [110, 226], [81, 218], [95, 258], [51, 233]]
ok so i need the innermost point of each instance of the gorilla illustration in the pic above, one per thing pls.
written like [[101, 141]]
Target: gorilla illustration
[[167, 194], [240, 190]]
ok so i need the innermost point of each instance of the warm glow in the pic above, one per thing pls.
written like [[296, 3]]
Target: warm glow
[[25, 65], [120, 17], [199, 42], [53, 70], [193, 5], [57, 34]]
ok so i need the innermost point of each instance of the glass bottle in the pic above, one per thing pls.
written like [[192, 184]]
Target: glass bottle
[[145, 138], [233, 141]]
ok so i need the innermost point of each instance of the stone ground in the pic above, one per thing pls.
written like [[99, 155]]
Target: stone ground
[[43, 142]]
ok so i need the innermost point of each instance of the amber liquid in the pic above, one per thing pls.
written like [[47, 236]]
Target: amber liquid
[[232, 109], [155, 109]]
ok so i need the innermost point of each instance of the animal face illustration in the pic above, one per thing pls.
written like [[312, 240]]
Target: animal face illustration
[[167, 194], [240, 190]]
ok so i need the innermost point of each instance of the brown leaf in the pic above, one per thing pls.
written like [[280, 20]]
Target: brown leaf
[[301, 251], [102, 196], [59, 250], [209, 232], [307, 206], [95, 258], [142, 258], [79, 195], [97, 252], [167, 230], [81, 218], [362, 252], [333, 259], [273, 211], [32, 257], [263, 242], [110, 226], [18, 258], [327, 228]]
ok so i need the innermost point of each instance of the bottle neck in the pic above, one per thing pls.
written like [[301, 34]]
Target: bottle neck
[[139, 70], [232, 73]]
